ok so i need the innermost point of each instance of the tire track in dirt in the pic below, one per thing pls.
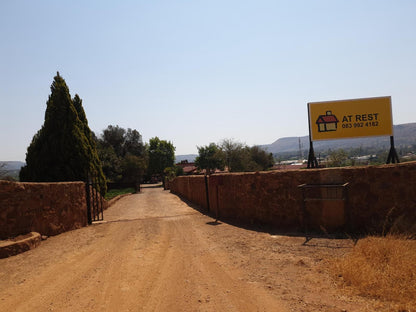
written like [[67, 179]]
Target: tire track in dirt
[[150, 256], [198, 280]]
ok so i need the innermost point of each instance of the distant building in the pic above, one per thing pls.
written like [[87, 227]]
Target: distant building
[[188, 167], [290, 165]]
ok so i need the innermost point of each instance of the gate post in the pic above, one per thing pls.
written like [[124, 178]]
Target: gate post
[[88, 198], [207, 191]]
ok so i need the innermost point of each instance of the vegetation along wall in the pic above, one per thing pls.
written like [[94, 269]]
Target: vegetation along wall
[[47, 208], [379, 198]]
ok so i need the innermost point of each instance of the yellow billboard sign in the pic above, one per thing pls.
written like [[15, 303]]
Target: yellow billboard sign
[[350, 118]]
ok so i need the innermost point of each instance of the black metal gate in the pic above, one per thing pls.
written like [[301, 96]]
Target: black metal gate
[[325, 207], [95, 202]]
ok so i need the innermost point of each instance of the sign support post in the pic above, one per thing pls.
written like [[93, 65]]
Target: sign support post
[[392, 158], [312, 162]]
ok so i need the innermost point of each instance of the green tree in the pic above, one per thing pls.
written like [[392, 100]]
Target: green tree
[[132, 168], [233, 154], [114, 136], [337, 158], [210, 157], [161, 154], [133, 143], [96, 167], [261, 158], [122, 142], [116, 149], [61, 150], [173, 172], [110, 162], [239, 157]]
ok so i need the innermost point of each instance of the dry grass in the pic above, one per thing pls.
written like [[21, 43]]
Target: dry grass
[[383, 268]]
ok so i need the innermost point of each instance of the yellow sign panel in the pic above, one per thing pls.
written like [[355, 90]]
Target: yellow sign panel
[[350, 118]]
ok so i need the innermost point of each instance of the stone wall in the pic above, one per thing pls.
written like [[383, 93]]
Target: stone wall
[[190, 187], [378, 196], [46, 208]]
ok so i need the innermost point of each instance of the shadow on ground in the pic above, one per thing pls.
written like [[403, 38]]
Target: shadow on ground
[[272, 230]]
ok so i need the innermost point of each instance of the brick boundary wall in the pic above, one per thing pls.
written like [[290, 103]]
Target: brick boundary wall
[[379, 196], [47, 208]]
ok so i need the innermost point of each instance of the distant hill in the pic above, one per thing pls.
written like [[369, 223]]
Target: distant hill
[[189, 158], [404, 135], [12, 165], [10, 169]]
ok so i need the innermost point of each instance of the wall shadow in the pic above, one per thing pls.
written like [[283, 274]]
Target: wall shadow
[[271, 230]]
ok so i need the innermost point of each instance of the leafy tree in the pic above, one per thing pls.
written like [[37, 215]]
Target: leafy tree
[[161, 155], [110, 162], [210, 157], [239, 157], [61, 150], [114, 136], [261, 158], [337, 158], [133, 143], [123, 142], [233, 152], [133, 168], [122, 154], [172, 172], [178, 171]]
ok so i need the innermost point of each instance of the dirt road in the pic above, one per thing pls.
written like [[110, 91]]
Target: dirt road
[[156, 253]]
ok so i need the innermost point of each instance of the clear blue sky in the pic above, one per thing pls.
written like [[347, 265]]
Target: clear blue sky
[[195, 72]]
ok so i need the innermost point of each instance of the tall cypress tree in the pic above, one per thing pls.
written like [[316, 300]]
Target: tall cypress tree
[[95, 167], [62, 149]]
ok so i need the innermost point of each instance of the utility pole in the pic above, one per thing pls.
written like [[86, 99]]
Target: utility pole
[[300, 151]]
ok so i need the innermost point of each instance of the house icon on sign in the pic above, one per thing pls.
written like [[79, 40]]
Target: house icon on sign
[[327, 122]]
